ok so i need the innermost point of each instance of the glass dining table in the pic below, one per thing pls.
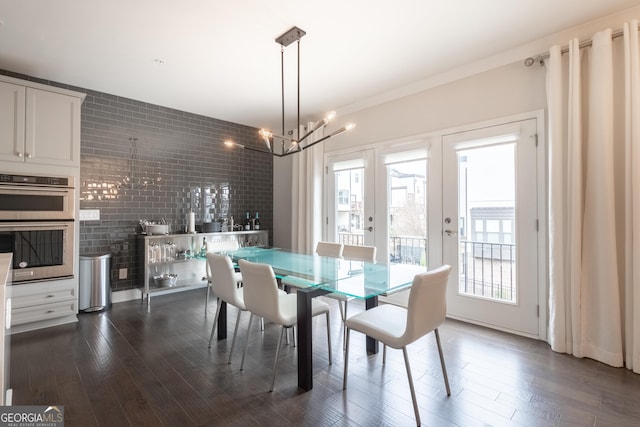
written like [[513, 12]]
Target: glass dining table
[[313, 276]]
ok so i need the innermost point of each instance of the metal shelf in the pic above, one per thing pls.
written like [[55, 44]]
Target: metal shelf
[[191, 271]]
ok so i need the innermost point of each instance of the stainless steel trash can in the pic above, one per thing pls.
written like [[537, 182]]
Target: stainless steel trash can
[[95, 283]]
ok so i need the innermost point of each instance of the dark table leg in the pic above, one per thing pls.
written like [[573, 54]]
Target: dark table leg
[[372, 345], [222, 321], [305, 347]]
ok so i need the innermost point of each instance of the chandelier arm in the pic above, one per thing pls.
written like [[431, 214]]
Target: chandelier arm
[[280, 137], [319, 125], [315, 142], [306, 135], [273, 153], [338, 132]]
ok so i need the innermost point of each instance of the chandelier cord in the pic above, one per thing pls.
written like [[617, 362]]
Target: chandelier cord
[[282, 82], [298, 89]]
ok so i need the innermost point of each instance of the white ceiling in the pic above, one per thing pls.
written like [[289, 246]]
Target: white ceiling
[[220, 59]]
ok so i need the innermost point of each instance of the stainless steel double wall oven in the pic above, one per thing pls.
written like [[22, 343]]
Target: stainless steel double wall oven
[[37, 215]]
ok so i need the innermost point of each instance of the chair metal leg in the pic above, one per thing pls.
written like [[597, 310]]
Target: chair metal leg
[[275, 362], [206, 301], [346, 361], [384, 354], [215, 321], [413, 391], [286, 338], [235, 333], [328, 337], [262, 323], [444, 368], [344, 328], [246, 345]]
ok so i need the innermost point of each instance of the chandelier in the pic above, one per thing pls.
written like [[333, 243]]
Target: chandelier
[[281, 145]]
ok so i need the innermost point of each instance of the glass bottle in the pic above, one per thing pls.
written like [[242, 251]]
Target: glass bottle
[[152, 253], [203, 248], [247, 222], [256, 222]]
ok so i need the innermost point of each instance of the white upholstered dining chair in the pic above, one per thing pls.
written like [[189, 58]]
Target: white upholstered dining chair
[[398, 327], [220, 247], [359, 253], [224, 283], [262, 298], [352, 253], [329, 249]]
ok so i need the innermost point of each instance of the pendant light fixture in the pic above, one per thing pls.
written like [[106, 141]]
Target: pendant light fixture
[[281, 145]]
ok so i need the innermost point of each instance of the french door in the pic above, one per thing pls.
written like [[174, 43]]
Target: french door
[[471, 199], [378, 197], [351, 199], [490, 225]]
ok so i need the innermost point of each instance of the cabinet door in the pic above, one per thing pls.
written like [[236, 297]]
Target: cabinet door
[[12, 100], [53, 128]]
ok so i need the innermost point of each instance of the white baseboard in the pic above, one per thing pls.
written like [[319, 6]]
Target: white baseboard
[[125, 295]]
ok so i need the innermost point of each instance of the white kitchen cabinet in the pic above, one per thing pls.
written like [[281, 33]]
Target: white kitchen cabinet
[[39, 125], [42, 304]]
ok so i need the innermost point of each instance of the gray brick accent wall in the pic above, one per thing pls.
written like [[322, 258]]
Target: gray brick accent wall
[[143, 161]]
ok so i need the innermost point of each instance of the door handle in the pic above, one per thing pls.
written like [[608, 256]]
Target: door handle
[[450, 233], [370, 228]]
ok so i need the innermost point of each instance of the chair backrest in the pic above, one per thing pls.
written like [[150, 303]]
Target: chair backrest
[[223, 279], [427, 302], [223, 246], [329, 249], [260, 290], [359, 253]]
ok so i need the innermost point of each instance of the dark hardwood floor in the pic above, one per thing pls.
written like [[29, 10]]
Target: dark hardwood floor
[[129, 367]]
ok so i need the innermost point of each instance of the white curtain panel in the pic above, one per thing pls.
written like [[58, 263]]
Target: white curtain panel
[[594, 193], [306, 198], [632, 196]]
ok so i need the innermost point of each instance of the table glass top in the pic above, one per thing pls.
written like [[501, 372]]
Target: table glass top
[[352, 278]]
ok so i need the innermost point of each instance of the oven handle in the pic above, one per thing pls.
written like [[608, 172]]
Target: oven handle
[[38, 190], [31, 225]]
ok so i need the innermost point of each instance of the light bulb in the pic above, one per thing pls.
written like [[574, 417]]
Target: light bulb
[[330, 116], [293, 146], [265, 133]]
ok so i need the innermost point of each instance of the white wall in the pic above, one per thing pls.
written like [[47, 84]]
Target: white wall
[[501, 92]]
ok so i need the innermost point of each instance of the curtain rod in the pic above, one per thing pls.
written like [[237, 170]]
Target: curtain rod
[[541, 58]]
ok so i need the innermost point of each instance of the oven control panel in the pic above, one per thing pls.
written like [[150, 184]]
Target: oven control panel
[[53, 181]]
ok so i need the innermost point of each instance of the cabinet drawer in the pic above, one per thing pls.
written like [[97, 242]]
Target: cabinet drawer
[[42, 312], [50, 296]]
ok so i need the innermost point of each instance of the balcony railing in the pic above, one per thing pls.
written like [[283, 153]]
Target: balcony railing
[[408, 250], [402, 249], [488, 270], [351, 239]]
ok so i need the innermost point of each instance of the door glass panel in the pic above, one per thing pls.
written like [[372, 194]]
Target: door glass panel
[[349, 215], [486, 188], [407, 212]]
